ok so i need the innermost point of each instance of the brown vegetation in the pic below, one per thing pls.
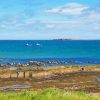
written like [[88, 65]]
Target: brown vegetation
[[64, 77]]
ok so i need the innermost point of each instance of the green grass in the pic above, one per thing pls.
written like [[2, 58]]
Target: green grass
[[47, 94]]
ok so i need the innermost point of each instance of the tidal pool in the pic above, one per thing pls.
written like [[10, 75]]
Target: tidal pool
[[18, 86]]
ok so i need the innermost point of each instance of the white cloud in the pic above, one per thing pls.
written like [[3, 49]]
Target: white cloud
[[50, 26], [94, 15], [68, 9], [97, 27]]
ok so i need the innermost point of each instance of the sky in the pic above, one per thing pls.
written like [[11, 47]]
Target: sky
[[49, 19]]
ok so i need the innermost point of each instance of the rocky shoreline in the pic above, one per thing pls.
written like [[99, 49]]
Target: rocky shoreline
[[14, 62], [33, 63]]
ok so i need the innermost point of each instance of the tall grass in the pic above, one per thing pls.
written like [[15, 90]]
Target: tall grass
[[47, 94]]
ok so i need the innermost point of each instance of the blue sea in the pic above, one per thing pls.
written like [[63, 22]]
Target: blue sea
[[67, 51]]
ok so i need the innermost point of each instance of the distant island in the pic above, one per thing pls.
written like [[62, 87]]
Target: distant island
[[62, 39]]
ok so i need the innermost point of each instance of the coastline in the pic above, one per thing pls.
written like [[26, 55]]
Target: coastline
[[48, 61]]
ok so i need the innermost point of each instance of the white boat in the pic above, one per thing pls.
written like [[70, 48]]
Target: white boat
[[28, 44], [37, 44]]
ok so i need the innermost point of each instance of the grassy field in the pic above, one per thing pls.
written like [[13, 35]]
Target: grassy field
[[47, 94]]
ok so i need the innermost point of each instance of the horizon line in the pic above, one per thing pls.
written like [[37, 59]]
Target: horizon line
[[47, 39]]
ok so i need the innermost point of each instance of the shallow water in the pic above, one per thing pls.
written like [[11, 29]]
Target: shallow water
[[98, 79]]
